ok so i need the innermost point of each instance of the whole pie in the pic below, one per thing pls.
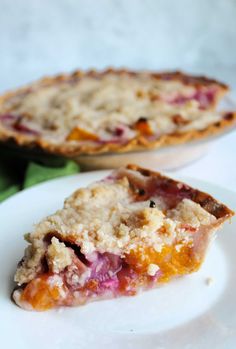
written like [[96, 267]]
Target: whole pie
[[131, 231], [112, 111]]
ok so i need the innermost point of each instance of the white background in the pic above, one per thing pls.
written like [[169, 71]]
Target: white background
[[39, 37]]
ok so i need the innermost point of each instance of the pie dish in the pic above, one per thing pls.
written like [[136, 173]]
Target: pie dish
[[112, 111], [131, 231]]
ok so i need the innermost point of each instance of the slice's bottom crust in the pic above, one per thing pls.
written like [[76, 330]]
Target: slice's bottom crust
[[50, 290]]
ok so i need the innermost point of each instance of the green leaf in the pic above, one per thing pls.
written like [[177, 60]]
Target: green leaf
[[6, 193], [36, 173]]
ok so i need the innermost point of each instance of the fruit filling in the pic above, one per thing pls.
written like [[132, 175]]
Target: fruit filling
[[104, 275], [205, 98], [16, 123]]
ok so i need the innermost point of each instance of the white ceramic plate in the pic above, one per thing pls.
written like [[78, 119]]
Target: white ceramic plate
[[187, 313]]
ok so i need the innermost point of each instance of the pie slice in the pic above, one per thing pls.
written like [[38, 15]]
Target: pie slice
[[134, 230], [114, 110]]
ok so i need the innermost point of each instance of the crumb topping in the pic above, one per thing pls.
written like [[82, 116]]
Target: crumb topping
[[108, 108], [31, 263], [106, 217], [58, 255], [187, 211], [152, 269]]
